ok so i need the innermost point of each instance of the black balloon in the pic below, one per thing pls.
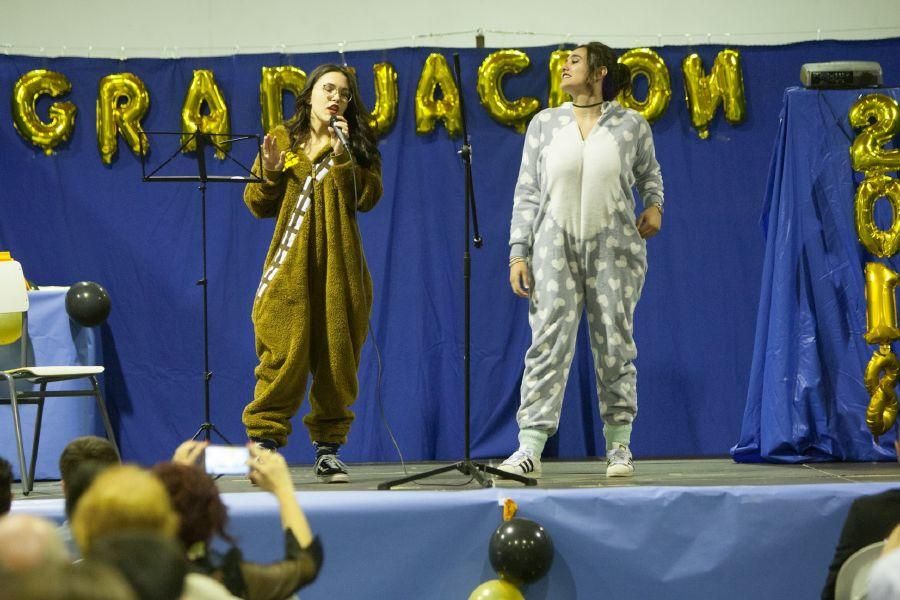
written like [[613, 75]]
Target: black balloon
[[521, 551], [87, 303]]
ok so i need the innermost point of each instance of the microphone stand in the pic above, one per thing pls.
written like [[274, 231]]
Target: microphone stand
[[202, 141], [477, 471]]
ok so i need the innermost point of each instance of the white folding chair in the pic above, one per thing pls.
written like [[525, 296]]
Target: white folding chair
[[853, 579], [14, 299]]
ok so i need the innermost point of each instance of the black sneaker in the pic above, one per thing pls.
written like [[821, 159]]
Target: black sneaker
[[329, 468], [265, 444]]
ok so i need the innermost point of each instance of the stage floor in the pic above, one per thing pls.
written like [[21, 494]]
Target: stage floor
[[576, 474]]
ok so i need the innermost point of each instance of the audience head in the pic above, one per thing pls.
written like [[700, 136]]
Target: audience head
[[85, 580], [196, 500], [79, 481], [152, 563], [28, 542], [884, 578], [5, 486], [122, 498], [84, 449]]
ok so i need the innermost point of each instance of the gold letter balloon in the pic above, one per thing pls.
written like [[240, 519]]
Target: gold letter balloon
[[204, 90], [274, 82], [703, 93], [556, 96], [490, 89], [647, 63], [429, 110], [122, 101], [26, 92], [386, 99]]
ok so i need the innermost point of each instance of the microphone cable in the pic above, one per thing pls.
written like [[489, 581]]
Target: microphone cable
[[378, 382]]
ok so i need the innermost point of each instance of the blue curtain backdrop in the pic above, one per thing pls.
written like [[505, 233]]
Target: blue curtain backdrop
[[69, 217]]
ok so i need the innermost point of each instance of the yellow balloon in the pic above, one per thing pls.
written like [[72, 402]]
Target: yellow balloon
[[644, 62], [724, 84], [881, 306], [496, 589], [429, 110], [10, 327], [556, 96], [880, 379], [204, 90], [879, 116], [272, 85], [122, 101], [493, 69], [386, 99], [26, 92], [877, 241]]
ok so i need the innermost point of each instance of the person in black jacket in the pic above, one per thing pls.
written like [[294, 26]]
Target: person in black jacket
[[871, 519]]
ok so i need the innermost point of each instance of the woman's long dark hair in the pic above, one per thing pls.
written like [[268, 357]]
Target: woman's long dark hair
[[618, 76], [362, 140]]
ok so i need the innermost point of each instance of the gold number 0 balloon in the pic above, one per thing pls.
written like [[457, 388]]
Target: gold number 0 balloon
[[645, 62], [113, 116], [493, 69], [881, 413], [26, 92], [878, 242]]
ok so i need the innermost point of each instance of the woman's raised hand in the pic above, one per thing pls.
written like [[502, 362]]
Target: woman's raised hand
[[272, 160]]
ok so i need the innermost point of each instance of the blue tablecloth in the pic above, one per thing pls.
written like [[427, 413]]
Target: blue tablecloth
[[806, 400], [54, 340]]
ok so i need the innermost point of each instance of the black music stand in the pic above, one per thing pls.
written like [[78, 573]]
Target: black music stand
[[477, 471], [202, 140]]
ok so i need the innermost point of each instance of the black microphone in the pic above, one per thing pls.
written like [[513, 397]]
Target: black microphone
[[339, 132]]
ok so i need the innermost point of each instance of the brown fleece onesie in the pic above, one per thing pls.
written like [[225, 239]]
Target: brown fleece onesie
[[311, 312]]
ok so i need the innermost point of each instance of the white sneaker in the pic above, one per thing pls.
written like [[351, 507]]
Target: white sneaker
[[619, 462], [522, 462]]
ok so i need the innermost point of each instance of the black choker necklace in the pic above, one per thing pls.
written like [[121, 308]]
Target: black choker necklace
[[588, 105]]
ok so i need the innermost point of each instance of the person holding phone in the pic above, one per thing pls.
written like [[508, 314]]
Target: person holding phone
[[312, 305], [203, 516]]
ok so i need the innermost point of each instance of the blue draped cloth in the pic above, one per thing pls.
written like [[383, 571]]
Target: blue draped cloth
[[806, 400]]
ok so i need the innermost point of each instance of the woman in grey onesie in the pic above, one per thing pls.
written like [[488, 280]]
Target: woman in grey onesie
[[576, 246]]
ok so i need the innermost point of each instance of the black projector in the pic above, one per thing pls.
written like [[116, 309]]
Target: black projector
[[841, 74]]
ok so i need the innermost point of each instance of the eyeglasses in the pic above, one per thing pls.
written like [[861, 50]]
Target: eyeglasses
[[343, 94]]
